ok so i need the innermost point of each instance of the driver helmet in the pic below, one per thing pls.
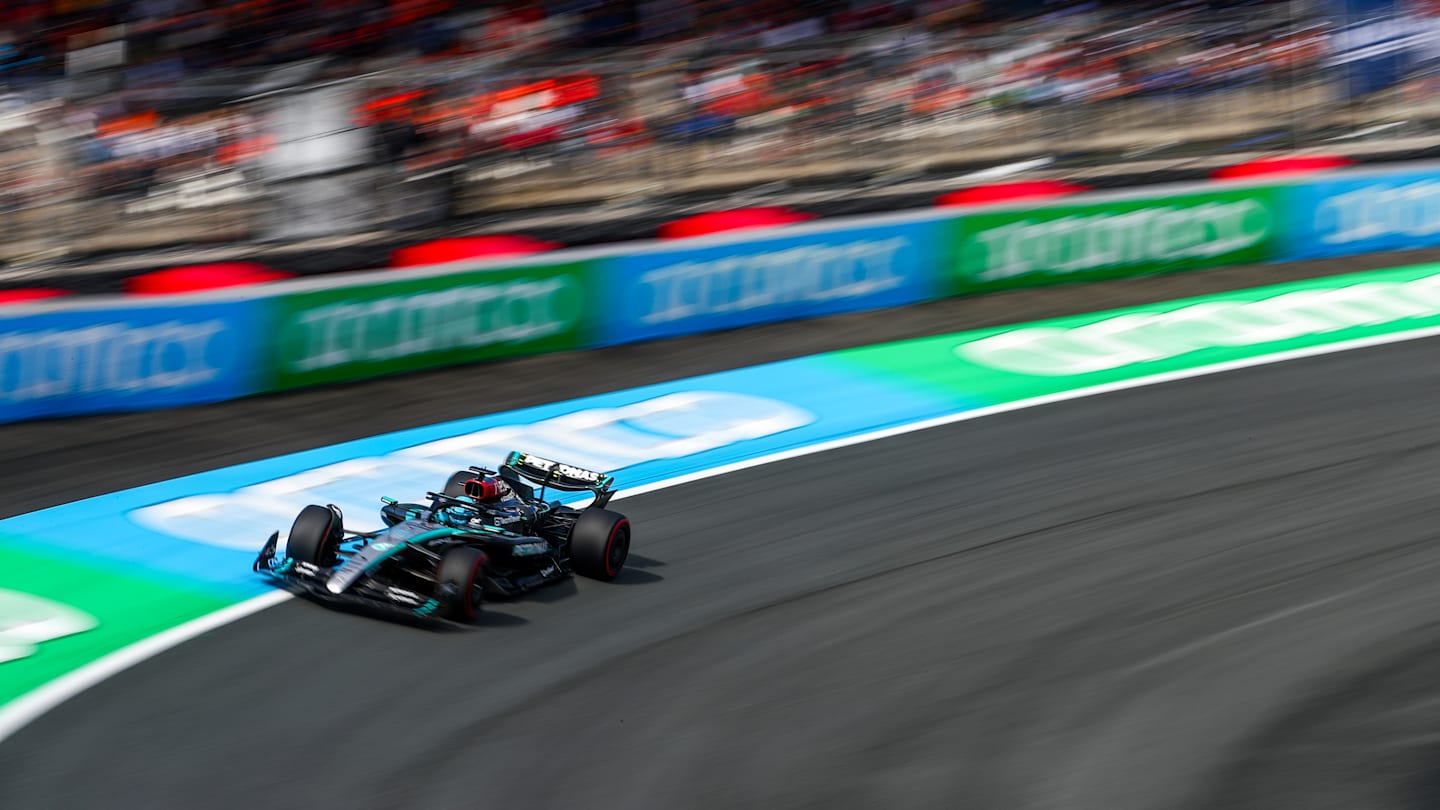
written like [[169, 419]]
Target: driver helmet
[[456, 514]]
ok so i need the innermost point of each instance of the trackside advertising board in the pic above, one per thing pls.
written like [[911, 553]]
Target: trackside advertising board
[[357, 331], [62, 358], [1112, 239], [656, 294], [1349, 215], [126, 358]]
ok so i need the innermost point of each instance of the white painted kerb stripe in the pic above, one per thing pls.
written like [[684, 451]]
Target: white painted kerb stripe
[[23, 710]]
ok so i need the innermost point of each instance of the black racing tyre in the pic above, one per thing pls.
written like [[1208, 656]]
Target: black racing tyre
[[315, 536], [599, 543], [455, 487], [463, 570]]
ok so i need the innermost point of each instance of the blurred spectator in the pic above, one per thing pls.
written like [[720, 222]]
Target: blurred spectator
[[163, 91]]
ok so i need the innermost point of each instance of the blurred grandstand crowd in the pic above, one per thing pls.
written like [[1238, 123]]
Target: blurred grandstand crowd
[[117, 99]]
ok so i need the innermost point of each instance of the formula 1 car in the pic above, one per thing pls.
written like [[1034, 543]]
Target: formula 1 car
[[487, 533]]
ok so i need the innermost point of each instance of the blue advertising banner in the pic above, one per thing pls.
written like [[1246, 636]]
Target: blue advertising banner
[[1363, 215], [698, 289], [89, 361]]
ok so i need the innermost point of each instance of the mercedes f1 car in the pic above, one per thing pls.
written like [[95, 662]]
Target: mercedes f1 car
[[487, 533]]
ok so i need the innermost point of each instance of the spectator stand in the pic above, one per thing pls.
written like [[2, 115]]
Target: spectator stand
[[175, 135]]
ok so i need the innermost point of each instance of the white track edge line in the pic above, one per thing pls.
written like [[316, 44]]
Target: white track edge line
[[19, 712], [23, 710]]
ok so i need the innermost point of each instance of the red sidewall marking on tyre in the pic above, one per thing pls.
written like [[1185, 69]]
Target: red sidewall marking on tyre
[[610, 545], [470, 611]]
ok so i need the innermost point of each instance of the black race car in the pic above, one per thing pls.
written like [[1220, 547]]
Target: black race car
[[487, 533]]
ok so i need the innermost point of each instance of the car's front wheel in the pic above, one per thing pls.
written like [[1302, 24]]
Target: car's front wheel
[[460, 582], [315, 536]]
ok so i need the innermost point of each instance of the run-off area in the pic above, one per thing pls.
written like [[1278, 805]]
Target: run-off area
[[1216, 592]]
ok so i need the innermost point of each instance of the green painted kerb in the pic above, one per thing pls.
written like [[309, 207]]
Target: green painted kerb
[[1047, 357], [57, 615]]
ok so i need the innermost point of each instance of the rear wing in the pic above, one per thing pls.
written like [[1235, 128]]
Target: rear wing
[[555, 475]]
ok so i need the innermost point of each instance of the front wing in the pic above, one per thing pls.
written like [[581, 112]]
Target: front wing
[[308, 580]]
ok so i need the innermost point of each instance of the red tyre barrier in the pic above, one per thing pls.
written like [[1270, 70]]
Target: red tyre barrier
[[1296, 164], [991, 193], [25, 295], [733, 220], [199, 277], [440, 251]]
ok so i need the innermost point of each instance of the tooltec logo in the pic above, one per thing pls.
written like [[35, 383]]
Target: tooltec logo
[[1091, 241], [116, 358], [666, 427], [27, 621], [402, 326], [1140, 338], [1379, 211], [801, 274]]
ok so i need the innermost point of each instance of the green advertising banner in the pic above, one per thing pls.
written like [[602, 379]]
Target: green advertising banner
[[353, 332], [1088, 242]]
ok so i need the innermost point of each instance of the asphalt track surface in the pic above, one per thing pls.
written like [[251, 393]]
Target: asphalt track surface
[[1210, 593]]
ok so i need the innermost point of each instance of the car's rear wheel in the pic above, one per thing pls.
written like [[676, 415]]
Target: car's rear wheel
[[462, 575], [315, 536], [455, 487], [600, 543]]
